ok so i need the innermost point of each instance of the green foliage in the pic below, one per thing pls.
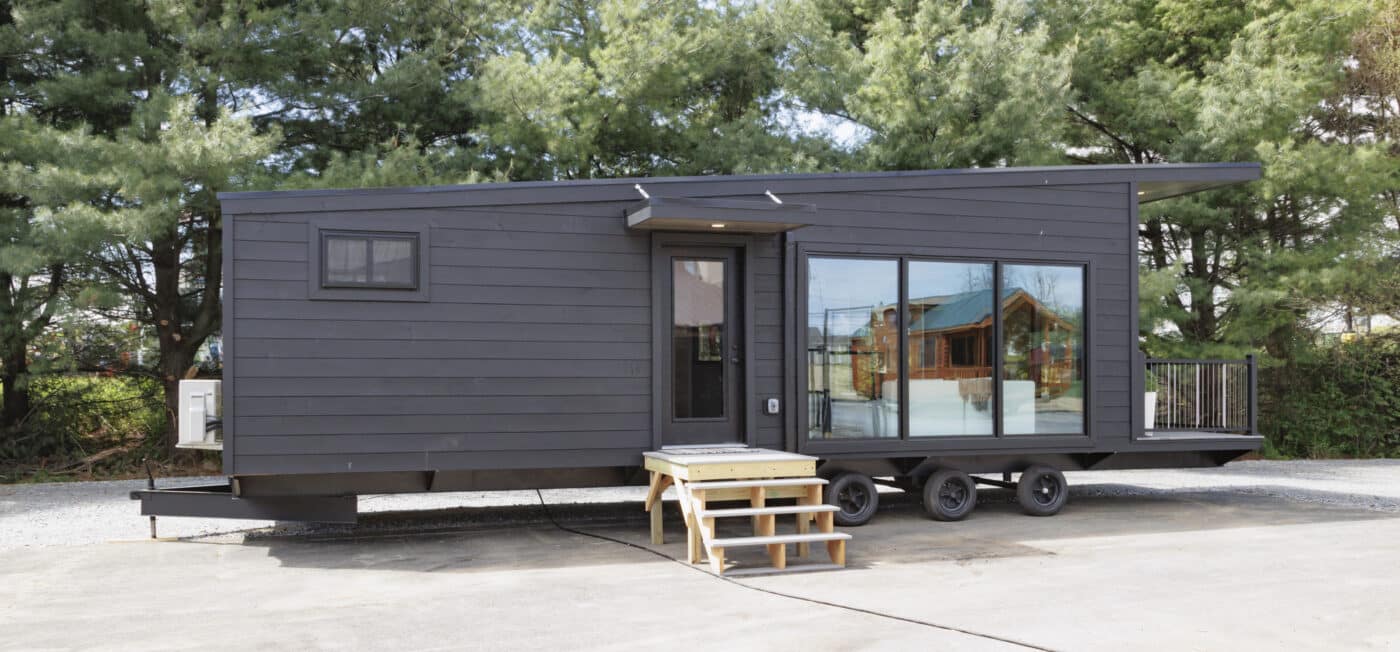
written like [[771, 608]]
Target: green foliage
[[77, 416], [633, 88], [1338, 401], [937, 84]]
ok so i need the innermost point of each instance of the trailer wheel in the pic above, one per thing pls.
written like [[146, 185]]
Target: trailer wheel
[[1042, 490], [856, 495], [949, 495]]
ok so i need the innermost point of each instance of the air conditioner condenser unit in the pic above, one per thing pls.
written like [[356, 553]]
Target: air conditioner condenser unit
[[201, 424]]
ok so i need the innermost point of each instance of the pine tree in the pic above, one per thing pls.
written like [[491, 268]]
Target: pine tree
[[1159, 81], [52, 171], [934, 84]]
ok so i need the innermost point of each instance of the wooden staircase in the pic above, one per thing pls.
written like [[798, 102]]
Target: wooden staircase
[[704, 476]]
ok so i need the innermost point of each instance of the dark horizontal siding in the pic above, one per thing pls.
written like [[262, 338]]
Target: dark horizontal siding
[[536, 338], [439, 423], [563, 316], [431, 442], [1034, 196], [258, 367], [336, 462], [467, 385], [410, 349], [581, 260], [415, 404], [329, 329]]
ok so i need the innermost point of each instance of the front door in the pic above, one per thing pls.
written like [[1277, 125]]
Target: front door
[[702, 384]]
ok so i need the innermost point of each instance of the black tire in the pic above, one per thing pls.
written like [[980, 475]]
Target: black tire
[[856, 495], [1042, 490], [949, 495]]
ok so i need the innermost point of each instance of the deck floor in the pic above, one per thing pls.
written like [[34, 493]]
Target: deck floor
[[1176, 435]]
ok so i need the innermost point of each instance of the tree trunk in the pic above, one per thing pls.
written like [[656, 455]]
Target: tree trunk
[[12, 356], [174, 360], [165, 268], [16, 391]]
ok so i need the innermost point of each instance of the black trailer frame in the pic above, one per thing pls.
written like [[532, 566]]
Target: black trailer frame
[[529, 348]]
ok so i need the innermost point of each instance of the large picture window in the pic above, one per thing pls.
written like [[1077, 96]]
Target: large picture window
[[951, 332], [944, 348], [853, 348], [1043, 358]]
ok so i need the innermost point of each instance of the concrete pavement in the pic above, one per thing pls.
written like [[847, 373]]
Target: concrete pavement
[[1253, 556]]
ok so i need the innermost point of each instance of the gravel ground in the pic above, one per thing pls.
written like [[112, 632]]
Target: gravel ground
[[80, 513]]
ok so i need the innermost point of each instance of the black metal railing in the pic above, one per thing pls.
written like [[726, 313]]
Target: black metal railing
[[1216, 396]]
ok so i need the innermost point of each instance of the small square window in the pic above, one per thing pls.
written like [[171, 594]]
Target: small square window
[[369, 260]]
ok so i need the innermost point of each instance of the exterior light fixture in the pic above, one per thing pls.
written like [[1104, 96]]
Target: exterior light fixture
[[717, 225]]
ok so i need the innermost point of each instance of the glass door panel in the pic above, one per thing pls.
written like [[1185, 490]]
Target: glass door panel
[[698, 339]]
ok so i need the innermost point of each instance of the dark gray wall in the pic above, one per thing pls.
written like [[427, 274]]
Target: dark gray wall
[[536, 338]]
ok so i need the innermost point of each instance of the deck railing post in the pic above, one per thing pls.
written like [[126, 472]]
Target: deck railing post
[[1224, 397], [1253, 407], [1197, 384]]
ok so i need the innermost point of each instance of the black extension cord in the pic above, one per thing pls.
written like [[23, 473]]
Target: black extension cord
[[948, 628]]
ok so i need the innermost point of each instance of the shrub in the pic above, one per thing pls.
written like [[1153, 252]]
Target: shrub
[[1341, 400], [78, 416]]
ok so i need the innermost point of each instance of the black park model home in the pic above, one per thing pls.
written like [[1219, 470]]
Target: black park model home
[[524, 335]]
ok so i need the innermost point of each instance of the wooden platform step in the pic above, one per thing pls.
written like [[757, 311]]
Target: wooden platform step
[[777, 510], [776, 539], [777, 547], [709, 475], [745, 484]]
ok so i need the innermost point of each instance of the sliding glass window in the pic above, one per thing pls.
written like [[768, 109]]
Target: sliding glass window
[[952, 336], [852, 348], [1043, 349]]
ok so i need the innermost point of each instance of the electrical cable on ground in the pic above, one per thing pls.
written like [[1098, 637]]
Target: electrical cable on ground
[[914, 621]]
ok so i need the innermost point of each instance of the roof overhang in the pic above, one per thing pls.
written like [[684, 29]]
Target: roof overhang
[[727, 215], [1156, 182]]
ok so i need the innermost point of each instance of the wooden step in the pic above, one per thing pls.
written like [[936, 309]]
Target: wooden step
[[743, 484], [780, 539], [759, 511], [777, 547]]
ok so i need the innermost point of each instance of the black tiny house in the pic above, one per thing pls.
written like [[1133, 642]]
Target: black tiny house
[[548, 334]]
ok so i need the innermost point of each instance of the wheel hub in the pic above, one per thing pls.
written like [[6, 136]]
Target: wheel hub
[[852, 500], [952, 494]]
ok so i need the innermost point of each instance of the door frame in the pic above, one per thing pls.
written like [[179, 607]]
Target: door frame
[[661, 243]]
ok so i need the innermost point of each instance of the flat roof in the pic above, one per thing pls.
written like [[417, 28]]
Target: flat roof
[[1157, 181]]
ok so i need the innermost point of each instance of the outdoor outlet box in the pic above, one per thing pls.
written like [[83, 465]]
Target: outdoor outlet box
[[772, 407]]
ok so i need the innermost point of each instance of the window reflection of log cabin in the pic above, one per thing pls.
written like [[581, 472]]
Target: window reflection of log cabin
[[950, 338]]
